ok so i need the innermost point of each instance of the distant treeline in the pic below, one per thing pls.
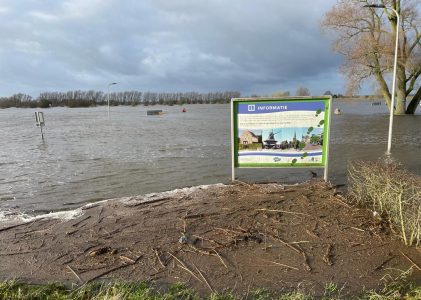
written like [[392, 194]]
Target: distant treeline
[[94, 98]]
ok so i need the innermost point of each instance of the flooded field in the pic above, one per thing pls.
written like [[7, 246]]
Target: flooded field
[[87, 157]]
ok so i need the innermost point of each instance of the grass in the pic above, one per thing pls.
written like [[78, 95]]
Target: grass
[[390, 191], [394, 288]]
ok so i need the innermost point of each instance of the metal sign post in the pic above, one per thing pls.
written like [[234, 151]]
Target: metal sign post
[[290, 132], [39, 119]]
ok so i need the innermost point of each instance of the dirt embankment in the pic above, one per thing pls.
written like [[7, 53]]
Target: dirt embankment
[[236, 237]]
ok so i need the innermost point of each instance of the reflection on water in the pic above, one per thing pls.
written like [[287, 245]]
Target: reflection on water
[[87, 157]]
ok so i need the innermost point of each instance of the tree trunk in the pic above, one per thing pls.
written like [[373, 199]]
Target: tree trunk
[[412, 107], [400, 103]]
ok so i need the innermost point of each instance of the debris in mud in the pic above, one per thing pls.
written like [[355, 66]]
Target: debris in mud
[[232, 236]]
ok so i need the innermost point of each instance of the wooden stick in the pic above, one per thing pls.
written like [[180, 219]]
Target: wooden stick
[[60, 256], [220, 258], [13, 226], [74, 273], [158, 257], [299, 242], [383, 263], [114, 269], [408, 258], [77, 223], [286, 244], [279, 264], [206, 252], [359, 229], [306, 263], [148, 202], [127, 258], [337, 199], [184, 267], [99, 214], [327, 258], [207, 283], [283, 211], [312, 233]]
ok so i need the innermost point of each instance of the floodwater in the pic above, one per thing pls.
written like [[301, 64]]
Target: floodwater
[[87, 156]]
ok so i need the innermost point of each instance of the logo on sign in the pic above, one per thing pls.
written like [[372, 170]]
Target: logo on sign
[[251, 107]]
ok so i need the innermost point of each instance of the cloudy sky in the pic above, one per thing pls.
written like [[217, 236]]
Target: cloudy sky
[[253, 46]]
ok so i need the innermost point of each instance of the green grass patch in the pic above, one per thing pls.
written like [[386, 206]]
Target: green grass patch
[[13, 290]]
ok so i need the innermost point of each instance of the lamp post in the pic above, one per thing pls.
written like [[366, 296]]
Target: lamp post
[[112, 83], [392, 104]]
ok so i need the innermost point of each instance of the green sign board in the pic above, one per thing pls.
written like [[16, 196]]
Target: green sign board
[[280, 132]]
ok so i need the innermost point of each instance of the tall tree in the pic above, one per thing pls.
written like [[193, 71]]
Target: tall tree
[[366, 37]]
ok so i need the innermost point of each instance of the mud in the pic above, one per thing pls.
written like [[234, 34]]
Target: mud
[[222, 237]]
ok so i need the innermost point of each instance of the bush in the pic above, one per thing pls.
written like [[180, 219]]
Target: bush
[[392, 192]]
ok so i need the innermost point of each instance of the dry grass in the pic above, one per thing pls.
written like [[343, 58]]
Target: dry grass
[[392, 192]]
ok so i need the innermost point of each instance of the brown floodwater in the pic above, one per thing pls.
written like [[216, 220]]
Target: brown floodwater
[[87, 157]]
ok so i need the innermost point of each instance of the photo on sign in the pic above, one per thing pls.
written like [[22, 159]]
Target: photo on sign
[[280, 133]]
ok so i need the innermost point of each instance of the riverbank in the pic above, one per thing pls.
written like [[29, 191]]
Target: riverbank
[[213, 238]]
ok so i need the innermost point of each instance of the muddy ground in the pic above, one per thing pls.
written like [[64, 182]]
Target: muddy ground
[[238, 237]]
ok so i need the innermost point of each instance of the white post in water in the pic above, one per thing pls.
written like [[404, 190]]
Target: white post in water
[[39, 119], [108, 97], [392, 104]]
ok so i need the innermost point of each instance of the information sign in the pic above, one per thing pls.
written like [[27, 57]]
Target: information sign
[[282, 133]]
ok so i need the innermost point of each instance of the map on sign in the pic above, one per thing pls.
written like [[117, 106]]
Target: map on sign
[[280, 132]]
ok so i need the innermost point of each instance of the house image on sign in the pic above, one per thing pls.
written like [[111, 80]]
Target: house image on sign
[[249, 138]]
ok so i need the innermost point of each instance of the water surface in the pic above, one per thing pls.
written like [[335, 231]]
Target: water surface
[[87, 157]]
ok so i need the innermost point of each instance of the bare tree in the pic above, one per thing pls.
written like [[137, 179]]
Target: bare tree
[[365, 36], [303, 91]]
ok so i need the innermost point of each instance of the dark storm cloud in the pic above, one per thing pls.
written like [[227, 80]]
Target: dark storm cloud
[[165, 45]]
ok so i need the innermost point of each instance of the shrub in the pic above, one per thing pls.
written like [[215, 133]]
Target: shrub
[[392, 192]]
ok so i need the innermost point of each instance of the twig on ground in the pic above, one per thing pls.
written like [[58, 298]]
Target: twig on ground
[[184, 267], [355, 228], [283, 211], [337, 198], [205, 252], [159, 257], [80, 221], [201, 274], [383, 263], [220, 258], [408, 258], [72, 232], [114, 269], [306, 263], [74, 273], [311, 233], [127, 258], [279, 264], [13, 226], [327, 257], [60, 256], [286, 243], [147, 202], [99, 214]]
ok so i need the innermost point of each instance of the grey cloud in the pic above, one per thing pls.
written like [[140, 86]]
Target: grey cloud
[[165, 45]]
